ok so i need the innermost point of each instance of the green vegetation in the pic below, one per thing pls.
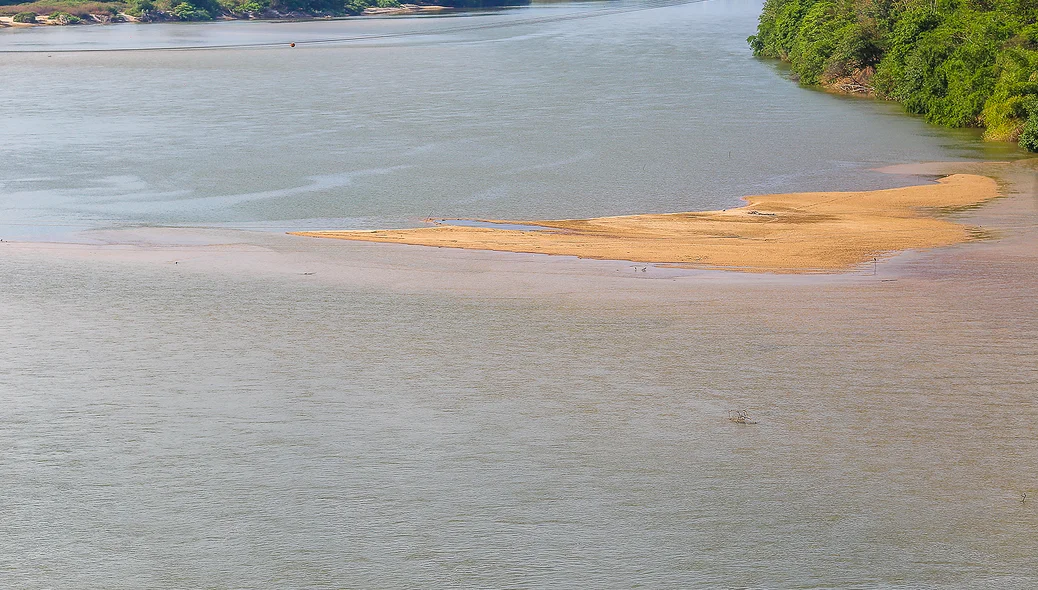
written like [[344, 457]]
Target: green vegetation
[[959, 63], [78, 8], [245, 7], [358, 6], [25, 17], [139, 8], [64, 18], [188, 11], [1029, 135]]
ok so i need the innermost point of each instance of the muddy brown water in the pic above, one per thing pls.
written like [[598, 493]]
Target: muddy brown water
[[208, 407]]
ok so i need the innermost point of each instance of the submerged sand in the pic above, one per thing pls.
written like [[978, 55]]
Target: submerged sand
[[797, 232]]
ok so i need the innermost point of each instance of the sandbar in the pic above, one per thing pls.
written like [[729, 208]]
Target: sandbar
[[792, 233]]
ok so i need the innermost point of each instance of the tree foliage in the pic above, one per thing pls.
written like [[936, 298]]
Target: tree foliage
[[64, 18], [190, 11], [959, 63], [148, 10]]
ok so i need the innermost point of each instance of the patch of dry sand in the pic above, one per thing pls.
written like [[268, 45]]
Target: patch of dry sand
[[798, 232]]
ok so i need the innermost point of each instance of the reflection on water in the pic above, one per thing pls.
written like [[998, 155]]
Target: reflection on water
[[253, 410]]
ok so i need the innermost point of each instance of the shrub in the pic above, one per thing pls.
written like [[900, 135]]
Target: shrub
[[1029, 134], [25, 17], [139, 7], [1010, 102], [64, 18], [81, 8], [251, 6], [188, 11], [244, 6], [356, 6], [318, 6]]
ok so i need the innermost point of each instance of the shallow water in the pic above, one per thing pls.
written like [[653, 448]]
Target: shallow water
[[489, 224], [200, 423], [189, 408]]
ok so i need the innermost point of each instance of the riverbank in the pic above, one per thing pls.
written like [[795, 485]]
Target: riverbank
[[796, 233], [958, 65], [61, 14]]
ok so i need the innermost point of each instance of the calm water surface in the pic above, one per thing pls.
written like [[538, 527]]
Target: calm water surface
[[653, 111], [468, 419]]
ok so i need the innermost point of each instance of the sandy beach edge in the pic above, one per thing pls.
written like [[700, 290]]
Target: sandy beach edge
[[777, 233]]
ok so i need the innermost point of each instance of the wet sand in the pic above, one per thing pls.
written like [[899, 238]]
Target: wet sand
[[786, 233], [366, 265]]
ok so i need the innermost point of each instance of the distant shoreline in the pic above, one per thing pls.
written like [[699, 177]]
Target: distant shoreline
[[162, 17]]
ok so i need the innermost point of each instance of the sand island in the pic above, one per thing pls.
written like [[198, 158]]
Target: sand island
[[796, 232]]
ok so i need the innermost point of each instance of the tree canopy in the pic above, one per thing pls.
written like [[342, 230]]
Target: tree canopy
[[959, 63]]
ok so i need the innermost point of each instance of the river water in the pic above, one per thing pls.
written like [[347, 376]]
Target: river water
[[191, 398]]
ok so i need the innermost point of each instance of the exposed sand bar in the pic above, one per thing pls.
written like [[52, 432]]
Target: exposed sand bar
[[797, 232]]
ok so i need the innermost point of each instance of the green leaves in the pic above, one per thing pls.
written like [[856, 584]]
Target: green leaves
[[959, 63], [188, 11], [1029, 134]]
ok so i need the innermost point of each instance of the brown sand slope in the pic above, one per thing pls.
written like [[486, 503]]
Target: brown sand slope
[[798, 232]]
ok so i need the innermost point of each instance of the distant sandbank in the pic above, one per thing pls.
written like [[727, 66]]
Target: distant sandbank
[[797, 232]]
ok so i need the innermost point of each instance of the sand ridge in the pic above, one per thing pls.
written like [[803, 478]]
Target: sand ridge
[[796, 232]]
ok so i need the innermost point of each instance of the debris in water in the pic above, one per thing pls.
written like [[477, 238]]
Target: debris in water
[[740, 417]]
